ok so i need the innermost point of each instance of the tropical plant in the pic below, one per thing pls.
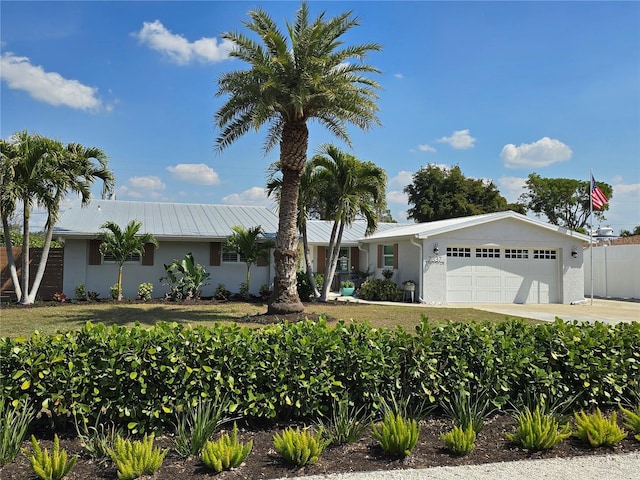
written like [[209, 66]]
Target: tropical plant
[[387, 273], [47, 466], [136, 458], [144, 291], [346, 422], [221, 292], [36, 170], [355, 188], [380, 290], [468, 409], [397, 436], [185, 278], [290, 81], [123, 243], [347, 284], [197, 423], [632, 420], [81, 292], [14, 423], [247, 244], [97, 439], [597, 430], [299, 447], [226, 453], [538, 430], [460, 441]]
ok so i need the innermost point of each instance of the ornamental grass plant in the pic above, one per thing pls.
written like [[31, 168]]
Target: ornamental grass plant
[[396, 435], [537, 430], [226, 452], [14, 423], [299, 446], [597, 430], [47, 466], [136, 458], [460, 441]]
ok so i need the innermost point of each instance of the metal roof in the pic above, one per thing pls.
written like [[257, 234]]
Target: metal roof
[[177, 220], [319, 231], [425, 230]]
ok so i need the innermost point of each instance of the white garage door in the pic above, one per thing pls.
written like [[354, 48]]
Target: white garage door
[[502, 275]]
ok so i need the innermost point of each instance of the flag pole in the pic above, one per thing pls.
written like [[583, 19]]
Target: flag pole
[[591, 231]]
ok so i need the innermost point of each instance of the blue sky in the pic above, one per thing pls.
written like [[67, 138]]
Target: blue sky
[[503, 89]]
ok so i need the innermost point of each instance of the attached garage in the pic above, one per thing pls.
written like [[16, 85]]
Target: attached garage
[[479, 274]]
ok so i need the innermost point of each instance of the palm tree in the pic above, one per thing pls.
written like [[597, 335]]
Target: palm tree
[[292, 80], [40, 171], [352, 188], [246, 243], [121, 244]]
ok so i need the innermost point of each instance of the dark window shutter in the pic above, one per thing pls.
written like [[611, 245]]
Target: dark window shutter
[[380, 248], [355, 258], [215, 249], [95, 257], [262, 262], [395, 256], [147, 256], [322, 259]]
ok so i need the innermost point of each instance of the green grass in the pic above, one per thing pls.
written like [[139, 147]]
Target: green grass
[[49, 318]]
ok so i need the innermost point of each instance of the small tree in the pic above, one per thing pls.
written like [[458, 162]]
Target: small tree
[[121, 244], [185, 277], [247, 244]]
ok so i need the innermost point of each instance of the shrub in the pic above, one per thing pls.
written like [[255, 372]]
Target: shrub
[[81, 292], [14, 423], [397, 436], [380, 290], [460, 441], [244, 290], [221, 292], [538, 431], [97, 439], [347, 284], [92, 296], [185, 278], [632, 420], [226, 453], [598, 431], [196, 424], [305, 292], [137, 458], [49, 467], [299, 447], [265, 291], [114, 292], [346, 423], [387, 273], [144, 291], [467, 409]]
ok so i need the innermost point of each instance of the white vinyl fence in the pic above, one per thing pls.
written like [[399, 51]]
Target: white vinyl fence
[[616, 271]]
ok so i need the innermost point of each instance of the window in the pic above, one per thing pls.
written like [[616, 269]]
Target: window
[[388, 256], [516, 253], [544, 254], [487, 253], [109, 258], [232, 257], [458, 252]]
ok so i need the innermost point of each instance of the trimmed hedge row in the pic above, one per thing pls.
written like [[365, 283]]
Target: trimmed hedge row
[[141, 377]]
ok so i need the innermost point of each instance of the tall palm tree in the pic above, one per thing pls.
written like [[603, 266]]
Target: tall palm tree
[[247, 243], [307, 76], [352, 188], [121, 244], [40, 171]]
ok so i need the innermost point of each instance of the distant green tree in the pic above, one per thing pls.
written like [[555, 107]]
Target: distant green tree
[[438, 193], [124, 243], [250, 246], [630, 233], [564, 201]]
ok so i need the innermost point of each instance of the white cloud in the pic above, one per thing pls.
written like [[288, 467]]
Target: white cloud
[[460, 140], [256, 196], [402, 179], [148, 187], [179, 49], [195, 173], [511, 187], [398, 75], [397, 196], [542, 153], [48, 87], [426, 148]]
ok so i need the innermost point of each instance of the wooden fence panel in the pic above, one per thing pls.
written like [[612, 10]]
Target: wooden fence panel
[[53, 274]]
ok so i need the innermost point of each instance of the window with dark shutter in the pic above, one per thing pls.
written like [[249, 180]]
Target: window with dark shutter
[[215, 249], [95, 257], [147, 256]]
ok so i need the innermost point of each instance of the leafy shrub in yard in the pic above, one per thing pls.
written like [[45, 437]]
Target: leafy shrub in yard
[[380, 290], [397, 436], [226, 453], [598, 431], [538, 431], [460, 441], [136, 458], [47, 466], [81, 292], [144, 291], [299, 447]]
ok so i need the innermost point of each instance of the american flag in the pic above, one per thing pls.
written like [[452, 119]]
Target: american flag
[[598, 198]]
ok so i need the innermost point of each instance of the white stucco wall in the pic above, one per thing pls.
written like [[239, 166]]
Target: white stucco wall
[[100, 278], [616, 271]]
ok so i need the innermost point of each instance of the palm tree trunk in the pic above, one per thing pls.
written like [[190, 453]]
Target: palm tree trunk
[[24, 298], [10, 258], [120, 282], [334, 249], [293, 156], [43, 263], [307, 262]]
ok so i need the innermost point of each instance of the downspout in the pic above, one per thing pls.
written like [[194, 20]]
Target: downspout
[[413, 242]]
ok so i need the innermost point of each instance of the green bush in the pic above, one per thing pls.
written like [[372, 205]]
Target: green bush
[[538, 431], [47, 466], [144, 291], [632, 420], [226, 453], [345, 424], [97, 439], [460, 441], [221, 293], [14, 423], [598, 431], [380, 290], [136, 458], [299, 447], [397, 436], [81, 292]]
